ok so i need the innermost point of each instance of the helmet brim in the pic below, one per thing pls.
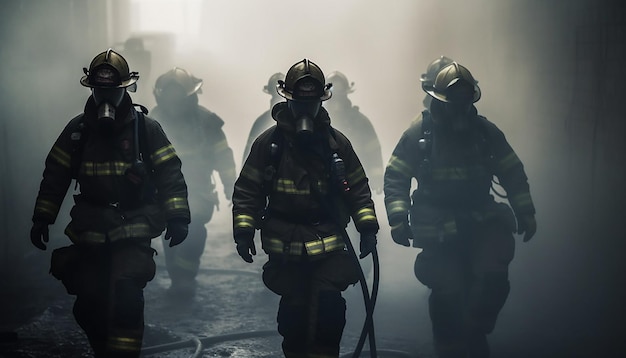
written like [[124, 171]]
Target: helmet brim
[[129, 82], [285, 94], [443, 98]]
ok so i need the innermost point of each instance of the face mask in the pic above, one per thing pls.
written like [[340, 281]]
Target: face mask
[[304, 112], [107, 100]]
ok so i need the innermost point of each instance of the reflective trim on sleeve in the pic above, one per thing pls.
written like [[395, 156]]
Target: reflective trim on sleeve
[[397, 207], [398, 165], [243, 221], [47, 207], [163, 154], [509, 161], [176, 203], [123, 344], [60, 156], [522, 200], [252, 174], [356, 176], [365, 215]]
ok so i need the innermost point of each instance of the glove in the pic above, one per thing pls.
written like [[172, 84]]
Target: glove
[[177, 230], [245, 246], [39, 234], [401, 233], [367, 245], [527, 225]]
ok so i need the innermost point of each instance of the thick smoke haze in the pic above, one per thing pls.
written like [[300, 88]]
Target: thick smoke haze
[[549, 72]]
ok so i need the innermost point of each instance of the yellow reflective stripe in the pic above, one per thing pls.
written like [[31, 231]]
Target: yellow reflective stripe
[[449, 173], [288, 186], [46, 206], [220, 146], [311, 248], [185, 264], [138, 230], [364, 215], [126, 344], [397, 207], [252, 174], [276, 246], [163, 154], [244, 221], [175, 203], [509, 161], [398, 165], [60, 156], [326, 244], [435, 231], [356, 176], [521, 200], [103, 168]]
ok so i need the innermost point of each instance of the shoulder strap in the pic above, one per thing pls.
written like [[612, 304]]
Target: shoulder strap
[[79, 138], [272, 159]]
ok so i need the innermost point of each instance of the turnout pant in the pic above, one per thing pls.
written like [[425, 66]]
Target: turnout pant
[[311, 315], [108, 282], [469, 285]]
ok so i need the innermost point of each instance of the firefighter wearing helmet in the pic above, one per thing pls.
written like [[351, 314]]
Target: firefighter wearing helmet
[[466, 236], [201, 144], [265, 120], [292, 189], [427, 78], [116, 212]]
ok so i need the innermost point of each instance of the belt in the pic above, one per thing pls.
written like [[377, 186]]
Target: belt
[[298, 248]]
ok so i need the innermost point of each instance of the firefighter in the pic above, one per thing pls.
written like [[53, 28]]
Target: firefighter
[[202, 146], [313, 182], [120, 158], [265, 120], [466, 236]]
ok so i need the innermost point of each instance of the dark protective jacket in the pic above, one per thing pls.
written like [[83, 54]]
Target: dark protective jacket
[[110, 207], [349, 119], [295, 221], [203, 149], [453, 185]]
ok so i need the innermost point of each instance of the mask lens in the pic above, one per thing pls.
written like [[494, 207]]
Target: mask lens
[[113, 96]]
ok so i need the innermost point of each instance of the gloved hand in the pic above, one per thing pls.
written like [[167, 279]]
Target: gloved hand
[[177, 230], [367, 244], [39, 234], [245, 246], [526, 225], [401, 233]]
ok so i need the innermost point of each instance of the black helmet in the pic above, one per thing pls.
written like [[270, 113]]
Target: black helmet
[[454, 84], [270, 88], [304, 81], [108, 70], [433, 69], [181, 79], [340, 83]]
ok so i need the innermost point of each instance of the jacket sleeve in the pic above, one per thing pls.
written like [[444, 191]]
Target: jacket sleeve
[[166, 173], [249, 193], [359, 197], [400, 170], [224, 161], [57, 176], [510, 172]]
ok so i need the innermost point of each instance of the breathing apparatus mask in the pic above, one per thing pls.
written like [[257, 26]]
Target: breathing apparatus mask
[[304, 113], [107, 101]]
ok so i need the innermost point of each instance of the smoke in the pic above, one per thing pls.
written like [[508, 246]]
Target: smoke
[[524, 55]]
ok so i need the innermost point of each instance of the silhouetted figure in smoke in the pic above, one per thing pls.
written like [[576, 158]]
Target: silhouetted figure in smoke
[[265, 120], [290, 187], [120, 159], [202, 146], [349, 119], [465, 235]]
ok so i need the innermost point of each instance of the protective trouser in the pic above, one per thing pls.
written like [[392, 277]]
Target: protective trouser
[[311, 314], [469, 282], [183, 261], [108, 283]]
